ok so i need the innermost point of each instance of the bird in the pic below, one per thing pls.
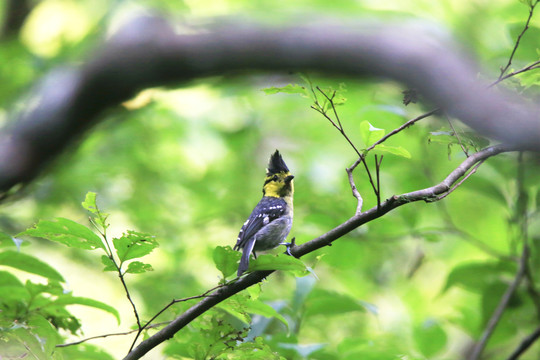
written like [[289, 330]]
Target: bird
[[271, 220]]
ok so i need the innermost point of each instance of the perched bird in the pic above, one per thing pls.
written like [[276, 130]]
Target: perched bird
[[271, 220]]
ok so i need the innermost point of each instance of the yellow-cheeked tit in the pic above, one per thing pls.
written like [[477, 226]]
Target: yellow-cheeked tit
[[271, 220]]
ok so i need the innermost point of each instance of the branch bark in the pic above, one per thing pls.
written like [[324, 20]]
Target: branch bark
[[149, 53]]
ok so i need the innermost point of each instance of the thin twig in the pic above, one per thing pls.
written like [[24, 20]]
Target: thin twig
[[501, 307], [355, 191], [402, 127], [457, 136], [378, 163], [521, 217], [516, 45], [112, 334], [175, 301], [458, 184], [532, 291], [103, 232], [532, 66], [525, 344], [339, 127]]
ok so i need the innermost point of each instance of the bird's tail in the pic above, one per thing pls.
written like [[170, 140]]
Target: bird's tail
[[244, 260]]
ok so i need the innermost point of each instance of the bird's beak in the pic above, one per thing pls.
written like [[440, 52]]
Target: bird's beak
[[289, 178]]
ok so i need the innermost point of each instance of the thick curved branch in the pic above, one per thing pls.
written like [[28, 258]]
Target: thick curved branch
[[149, 53], [428, 194]]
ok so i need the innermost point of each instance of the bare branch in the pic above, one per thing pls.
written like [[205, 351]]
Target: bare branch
[[337, 124], [534, 65], [355, 191], [516, 45], [175, 301], [148, 52], [108, 335], [402, 127], [501, 307], [525, 344], [522, 220], [324, 240], [440, 197]]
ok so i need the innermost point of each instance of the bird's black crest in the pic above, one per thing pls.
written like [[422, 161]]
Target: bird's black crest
[[276, 164]]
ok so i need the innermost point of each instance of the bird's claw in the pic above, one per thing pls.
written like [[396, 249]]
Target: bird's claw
[[289, 245]]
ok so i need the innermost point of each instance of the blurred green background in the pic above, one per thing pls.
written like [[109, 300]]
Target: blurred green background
[[186, 164]]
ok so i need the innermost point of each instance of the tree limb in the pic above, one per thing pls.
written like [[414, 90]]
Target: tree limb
[[147, 52], [354, 222]]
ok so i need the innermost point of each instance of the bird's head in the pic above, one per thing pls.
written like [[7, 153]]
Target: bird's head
[[278, 181]]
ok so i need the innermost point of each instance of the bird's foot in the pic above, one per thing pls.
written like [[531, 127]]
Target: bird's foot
[[289, 245]]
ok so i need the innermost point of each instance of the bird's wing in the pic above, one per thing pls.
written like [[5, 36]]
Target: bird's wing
[[266, 211]]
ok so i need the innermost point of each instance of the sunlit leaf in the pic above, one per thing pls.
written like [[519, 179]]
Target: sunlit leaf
[[226, 260], [475, 276], [74, 300], [109, 264], [278, 262], [288, 89], [324, 302], [66, 232], [394, 150], [369, 133], [430, 337], [29, 264], [137, 267], [133, 245]]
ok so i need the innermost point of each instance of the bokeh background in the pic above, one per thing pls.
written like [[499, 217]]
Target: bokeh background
[[186, 164]]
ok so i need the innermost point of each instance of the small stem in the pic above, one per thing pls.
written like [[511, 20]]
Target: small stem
[[516, 45], [457, 136], [525, 344], [402, 127], [458, 184], [501, 307]]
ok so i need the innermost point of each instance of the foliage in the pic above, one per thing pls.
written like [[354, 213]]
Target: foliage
[[423, 281]]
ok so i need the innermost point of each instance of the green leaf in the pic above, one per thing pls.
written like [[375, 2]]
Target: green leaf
[[369, 133], [83, 352], [430, 338], [6, 240], [137, 267], [66, 232], [29, 264], [278, 262], [11, 294], [134, 245], [44, 331], [476, 276], [240, 305], [21, 340], [109, 264], [90, 204], [288, 89], [394, 150], [226, 260], [8, 279], [74, 300], [258, 307], [324, 302], [236, 306]]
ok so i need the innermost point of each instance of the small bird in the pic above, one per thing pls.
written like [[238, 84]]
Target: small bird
[[271, 220]]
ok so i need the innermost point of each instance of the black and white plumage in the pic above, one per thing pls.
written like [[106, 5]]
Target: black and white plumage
[[271, 220]]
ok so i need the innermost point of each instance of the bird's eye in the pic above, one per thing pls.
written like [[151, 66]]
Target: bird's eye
[[275, 178]]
